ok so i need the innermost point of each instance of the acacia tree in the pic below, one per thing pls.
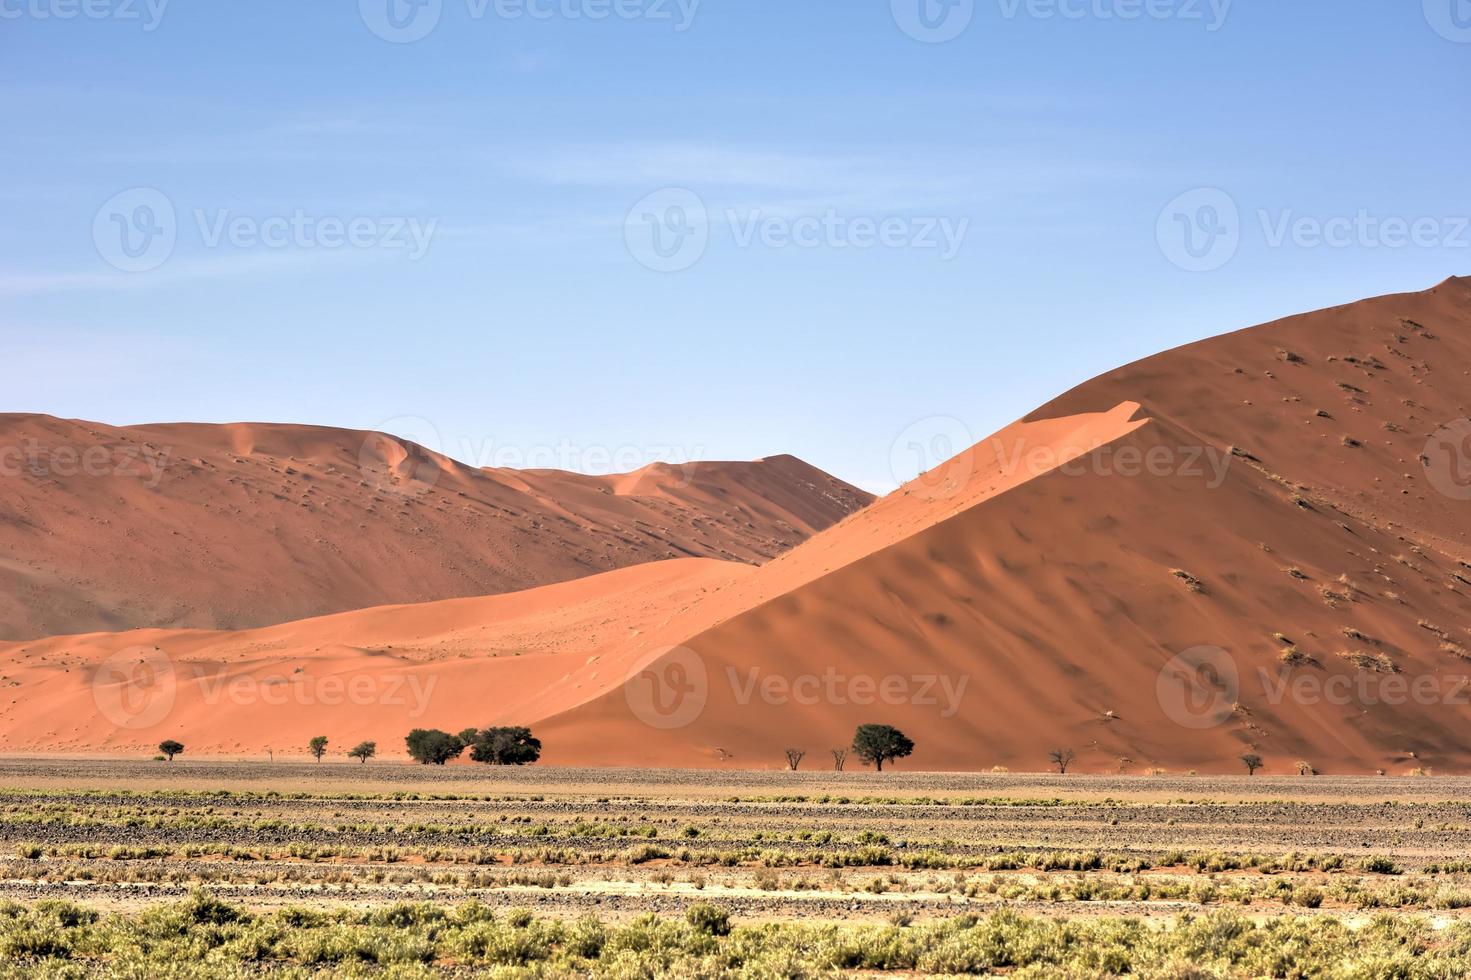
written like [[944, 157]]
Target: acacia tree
[[1252, 762], [170, 748], [1062, 758], [840, 756], [318, 747], [508, 746], [363, 751], [430, 746], [878, 743], [794, 758]]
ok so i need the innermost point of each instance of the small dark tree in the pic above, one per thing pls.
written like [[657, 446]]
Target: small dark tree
[[794, 758], [840, 756], [318, 747], [430, 746], [1252, 762], [512, 746], [170, 748], [1062, 758], [877, 743], [363, 751], [469, 735]]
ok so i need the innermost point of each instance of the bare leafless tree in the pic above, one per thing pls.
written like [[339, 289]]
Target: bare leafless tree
[[1062, 758], [840, 756], [794, 758]]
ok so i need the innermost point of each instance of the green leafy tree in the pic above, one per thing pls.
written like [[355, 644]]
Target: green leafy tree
[[363, 751], [430, 746], [512, 746], [170, 748], [1252, 762], [318, 747], [876, 744]]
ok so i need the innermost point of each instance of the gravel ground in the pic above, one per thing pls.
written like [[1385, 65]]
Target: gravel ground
[[390, 777], [499, 820]]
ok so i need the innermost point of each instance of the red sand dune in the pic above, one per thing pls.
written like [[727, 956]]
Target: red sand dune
[[234, 526], [1228, 501]]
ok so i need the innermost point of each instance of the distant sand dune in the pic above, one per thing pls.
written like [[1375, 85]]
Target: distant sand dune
[[1244, 501], [235, 526]]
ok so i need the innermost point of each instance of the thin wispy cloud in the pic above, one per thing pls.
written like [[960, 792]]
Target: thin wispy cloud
[[175, 272]]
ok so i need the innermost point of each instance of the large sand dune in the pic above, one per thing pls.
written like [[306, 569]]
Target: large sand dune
[[1121, 573], [235, 526]]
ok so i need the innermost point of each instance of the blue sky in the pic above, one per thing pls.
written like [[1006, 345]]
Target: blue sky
[[877, 239]]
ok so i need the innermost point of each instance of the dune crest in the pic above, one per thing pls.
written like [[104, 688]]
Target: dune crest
[[1256, 543], [242, 525]]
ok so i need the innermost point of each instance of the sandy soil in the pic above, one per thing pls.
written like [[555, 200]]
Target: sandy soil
[[1255, 496]]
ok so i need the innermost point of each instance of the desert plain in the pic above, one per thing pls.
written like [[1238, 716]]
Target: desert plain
[[1181, 659]]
